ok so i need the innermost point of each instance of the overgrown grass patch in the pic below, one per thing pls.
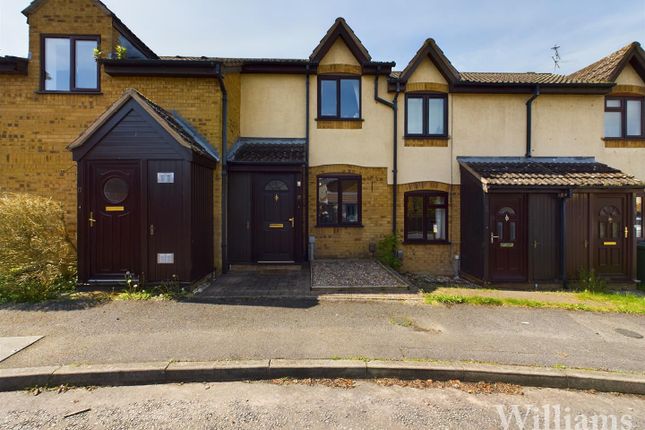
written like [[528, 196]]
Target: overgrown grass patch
[[37, 253], [580, 301]]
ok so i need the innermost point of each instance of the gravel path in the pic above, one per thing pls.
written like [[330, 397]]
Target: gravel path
[[353, 273], [270, 406]]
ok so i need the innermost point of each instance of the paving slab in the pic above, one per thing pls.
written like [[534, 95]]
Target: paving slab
[[11, 345]]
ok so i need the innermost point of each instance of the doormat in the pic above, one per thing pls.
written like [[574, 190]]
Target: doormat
[[11, 345]]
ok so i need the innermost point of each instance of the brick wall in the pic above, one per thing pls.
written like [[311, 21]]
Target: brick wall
[[353, 242], [343, 242], [36, 128], [431, 258]]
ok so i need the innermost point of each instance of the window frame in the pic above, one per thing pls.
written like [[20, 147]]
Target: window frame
[[623, 116], [340, 177], [72, 38], [426, 194], [337, 79], [426, 110], [641, 195]]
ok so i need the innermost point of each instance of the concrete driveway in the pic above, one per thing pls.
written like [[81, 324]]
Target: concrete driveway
[[120, 332]]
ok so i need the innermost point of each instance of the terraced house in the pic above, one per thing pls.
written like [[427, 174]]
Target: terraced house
[[184, 166]]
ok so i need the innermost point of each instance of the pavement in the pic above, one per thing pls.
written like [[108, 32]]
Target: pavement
[[138, 332], [271, 405]]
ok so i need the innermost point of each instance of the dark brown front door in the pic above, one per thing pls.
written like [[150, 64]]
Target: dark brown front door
[[274, 217], [507, 238], [114, 220], [608, 234]]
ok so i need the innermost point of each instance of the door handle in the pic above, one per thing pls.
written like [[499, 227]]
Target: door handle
[[535, 243], [292, 221], [152, 230], [492, 236], [626, 232], [92, 220]]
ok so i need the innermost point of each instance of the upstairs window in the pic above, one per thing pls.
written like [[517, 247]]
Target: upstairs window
[[339, 200], [69, 64], [624, 117], [426, 216], [426, 115], [339, 98]]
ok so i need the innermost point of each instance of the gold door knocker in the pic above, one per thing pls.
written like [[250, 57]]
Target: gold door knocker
[[276, 197]]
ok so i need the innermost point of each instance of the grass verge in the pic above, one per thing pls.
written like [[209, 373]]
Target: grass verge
[[588, 301]]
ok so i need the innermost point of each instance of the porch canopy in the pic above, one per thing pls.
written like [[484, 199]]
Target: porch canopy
[[543, 220], [267, 189]]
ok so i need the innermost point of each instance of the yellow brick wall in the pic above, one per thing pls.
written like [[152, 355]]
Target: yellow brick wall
[[431, 258], [36, 128], [353, 242], [343, 242]]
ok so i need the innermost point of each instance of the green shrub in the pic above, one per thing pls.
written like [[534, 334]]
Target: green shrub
[[386, 251], [37, 255], [589, 281]]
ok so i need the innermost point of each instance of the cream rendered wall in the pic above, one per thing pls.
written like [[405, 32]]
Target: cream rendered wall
[[478, 125], [426, 71], [495, 125], [272, 105], [370, 146], [629, 77], [339, 53]]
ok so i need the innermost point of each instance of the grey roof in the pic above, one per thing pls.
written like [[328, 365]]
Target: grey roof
[[268, 150], [181, 127], [569, 172]]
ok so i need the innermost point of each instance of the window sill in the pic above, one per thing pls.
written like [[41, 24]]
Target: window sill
[[426, 242], [339, 226], [426, 141], [342, 124], [621, 142], [84, 93]]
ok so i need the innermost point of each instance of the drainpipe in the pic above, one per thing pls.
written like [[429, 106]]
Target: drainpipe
[[395, 110], [222, 86], [529, 104], [305, 182]]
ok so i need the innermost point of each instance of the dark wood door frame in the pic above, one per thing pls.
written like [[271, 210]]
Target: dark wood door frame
[[87, 194], [517, 246], [300, 203]]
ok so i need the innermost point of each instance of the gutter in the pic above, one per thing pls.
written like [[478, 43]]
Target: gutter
[[224, 234], [394, 105], [529, 104]]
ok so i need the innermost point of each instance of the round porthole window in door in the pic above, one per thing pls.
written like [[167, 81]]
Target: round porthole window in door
[[115, 190]]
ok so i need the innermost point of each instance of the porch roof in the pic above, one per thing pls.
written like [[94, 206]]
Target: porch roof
[[173, 123], [268, 150], [566, 172]]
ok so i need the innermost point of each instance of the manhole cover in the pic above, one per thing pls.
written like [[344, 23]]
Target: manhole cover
[[629, 333]]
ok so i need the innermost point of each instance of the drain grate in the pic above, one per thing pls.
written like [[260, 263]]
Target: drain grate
[[629, 333]]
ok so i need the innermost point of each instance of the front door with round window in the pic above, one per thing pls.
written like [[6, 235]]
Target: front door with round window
[[113, 220]]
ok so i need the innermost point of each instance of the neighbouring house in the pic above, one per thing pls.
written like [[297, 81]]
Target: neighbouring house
[[182, 166]]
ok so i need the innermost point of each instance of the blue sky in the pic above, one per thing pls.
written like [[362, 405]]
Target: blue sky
[[494, 35]]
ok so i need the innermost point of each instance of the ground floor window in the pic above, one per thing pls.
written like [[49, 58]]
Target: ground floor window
[[339, 200], [426, 216]]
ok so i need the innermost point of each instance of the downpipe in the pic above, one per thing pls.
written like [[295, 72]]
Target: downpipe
[[529, 104], [224, 234]]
